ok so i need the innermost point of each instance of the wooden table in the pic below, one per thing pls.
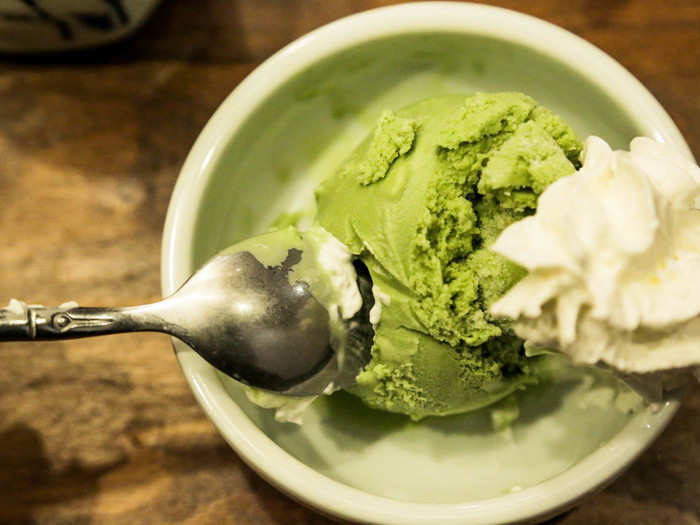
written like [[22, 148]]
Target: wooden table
[[106, 431]]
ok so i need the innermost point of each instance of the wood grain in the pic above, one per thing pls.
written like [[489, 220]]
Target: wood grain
[[106, 431]]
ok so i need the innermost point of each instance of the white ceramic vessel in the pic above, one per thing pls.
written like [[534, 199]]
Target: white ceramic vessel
[[40, 26], [287, 126]]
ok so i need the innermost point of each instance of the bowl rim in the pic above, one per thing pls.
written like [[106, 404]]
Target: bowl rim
[[252, 445]]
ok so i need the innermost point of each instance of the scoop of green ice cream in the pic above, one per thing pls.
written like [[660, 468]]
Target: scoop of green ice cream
[[420, 201]]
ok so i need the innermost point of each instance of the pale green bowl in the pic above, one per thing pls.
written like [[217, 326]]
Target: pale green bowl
[[287, 126]]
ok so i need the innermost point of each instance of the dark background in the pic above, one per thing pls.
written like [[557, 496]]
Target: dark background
[[106, 431]]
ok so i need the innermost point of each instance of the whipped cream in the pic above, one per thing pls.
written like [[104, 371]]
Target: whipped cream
[[287, 409], [380, 299], [336, 260], [613, 254]]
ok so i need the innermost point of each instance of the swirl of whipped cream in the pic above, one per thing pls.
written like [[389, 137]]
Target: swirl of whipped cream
[[613, 254]]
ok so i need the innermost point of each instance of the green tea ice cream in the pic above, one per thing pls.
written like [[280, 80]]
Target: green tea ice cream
[[420, 202]]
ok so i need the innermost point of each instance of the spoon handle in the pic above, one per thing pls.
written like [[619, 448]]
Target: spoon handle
[[22, 322]]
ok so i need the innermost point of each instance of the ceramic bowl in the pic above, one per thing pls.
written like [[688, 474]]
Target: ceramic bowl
[[287, 126], [43, 26]]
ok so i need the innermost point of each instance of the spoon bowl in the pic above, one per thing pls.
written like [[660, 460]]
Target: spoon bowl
[[250, 322]]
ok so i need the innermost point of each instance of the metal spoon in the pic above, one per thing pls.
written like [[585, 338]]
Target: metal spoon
[[243, 317]]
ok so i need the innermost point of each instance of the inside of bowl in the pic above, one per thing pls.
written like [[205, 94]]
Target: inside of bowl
[[297, 137], [457, 458]]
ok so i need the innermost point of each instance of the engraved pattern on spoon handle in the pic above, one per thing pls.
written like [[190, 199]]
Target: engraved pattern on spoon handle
[[33, 323]]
